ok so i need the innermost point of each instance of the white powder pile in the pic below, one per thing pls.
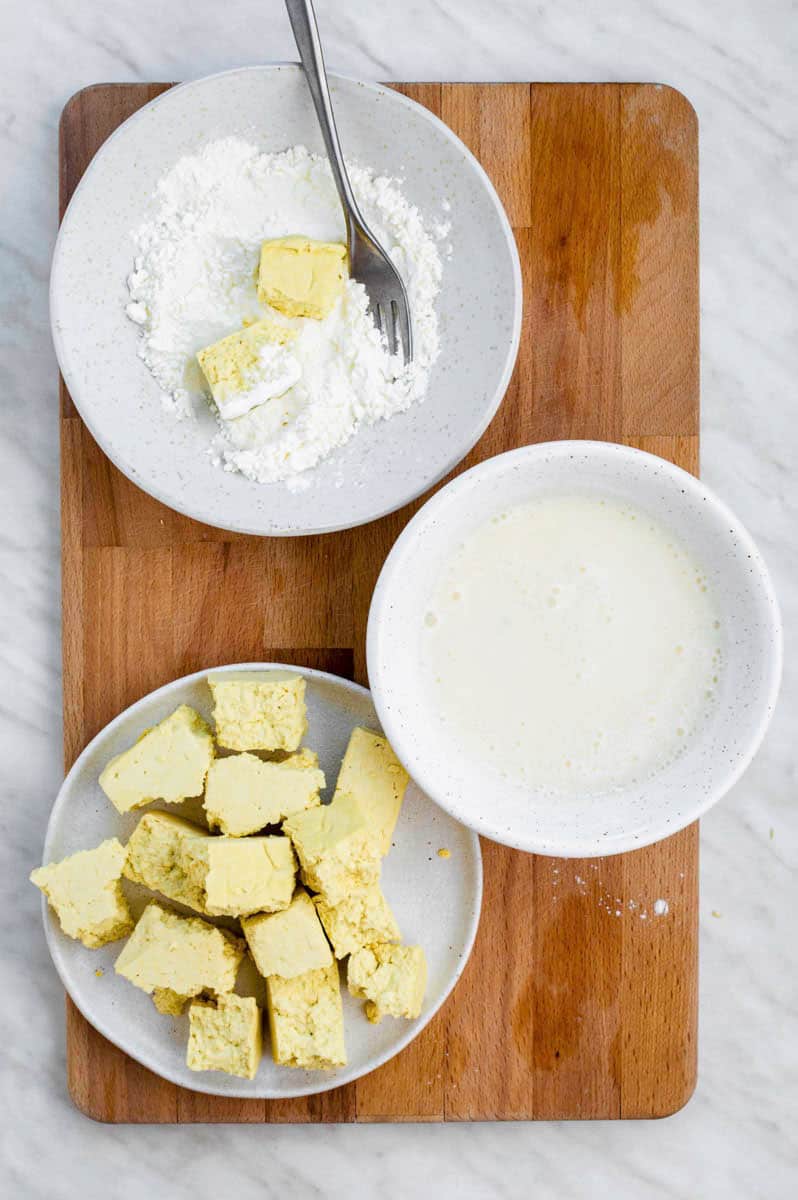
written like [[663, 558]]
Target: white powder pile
[[194, 282]]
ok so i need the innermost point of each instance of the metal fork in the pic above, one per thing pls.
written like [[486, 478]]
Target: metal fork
[[368, 262]]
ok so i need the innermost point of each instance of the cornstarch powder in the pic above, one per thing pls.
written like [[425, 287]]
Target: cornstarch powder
[[194, 283]]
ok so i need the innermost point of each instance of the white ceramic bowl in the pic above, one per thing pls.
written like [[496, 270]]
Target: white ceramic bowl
[[681, 792], [385, 465], [417, 882]]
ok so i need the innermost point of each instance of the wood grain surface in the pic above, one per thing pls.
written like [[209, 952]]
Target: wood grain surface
[[574, 1004]]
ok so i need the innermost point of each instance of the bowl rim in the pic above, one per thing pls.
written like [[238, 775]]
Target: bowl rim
[[207, 1085], [574, 847], [458, 449]]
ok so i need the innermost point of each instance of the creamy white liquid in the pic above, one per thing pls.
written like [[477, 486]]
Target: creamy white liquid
[[571, 643]]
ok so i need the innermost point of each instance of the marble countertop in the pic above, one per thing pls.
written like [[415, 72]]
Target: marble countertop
[[735, 60]]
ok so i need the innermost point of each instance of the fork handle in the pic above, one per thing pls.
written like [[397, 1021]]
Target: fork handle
[[306, 35]]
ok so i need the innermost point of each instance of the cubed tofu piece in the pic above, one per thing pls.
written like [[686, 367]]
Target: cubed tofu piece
[[337, 850], [372, 773], [306, 1020], [250, 367], [86, 895], [170, 1003], [225, 1034], [391, 979], [168, 762], [288, 943], [264, 712], [300, 277], [360, 919], [239, 876], [301, 761], [185, 955], [243, 793], [155, 857]]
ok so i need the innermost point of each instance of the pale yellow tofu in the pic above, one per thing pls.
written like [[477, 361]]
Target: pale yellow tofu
[[250, 367], [264, 712], [185, 955], [301, 277], [337, 850], [169, 763], [288, 943], [360, 919], [391, 979], [170, 1003], [372, 773], [244, 794], [306, 1019], [225, 1034], [85, 893], [300, 761], [239, 876], [155, 857]]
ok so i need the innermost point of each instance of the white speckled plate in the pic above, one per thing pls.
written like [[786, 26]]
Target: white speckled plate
[[629, 817], [436, 900], [384, 466]]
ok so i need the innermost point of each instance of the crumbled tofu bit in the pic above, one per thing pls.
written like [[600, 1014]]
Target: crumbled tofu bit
[[360, 919], [372, 773], [155, 857], [225, 1034], [391, 979], [167, 763], [444, 853], [244, 794], [306, 1019], [249, 367], [184, 954], [337, 849], [239, 876], [301, 277], [85, 893], [264, 712], [288, 943], [170, 1003]]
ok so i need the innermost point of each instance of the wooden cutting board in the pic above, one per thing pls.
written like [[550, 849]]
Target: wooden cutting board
[[578, 1001]]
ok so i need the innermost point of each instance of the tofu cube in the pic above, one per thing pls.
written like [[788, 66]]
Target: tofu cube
[[391, 979], [86, 895], [302, 760], [372, 773], [184, 954], [306, 1020], [243, 793], [170, 1003], [250, 367], [167, 763], [239, 876], [337, 850], [300, 277], [360, 919], [264, 712], [155, 857], [288, 943], [225, 1034]]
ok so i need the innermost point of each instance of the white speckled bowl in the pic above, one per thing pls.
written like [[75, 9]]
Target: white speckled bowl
[[751, 627], [417, 882], [383, 466]]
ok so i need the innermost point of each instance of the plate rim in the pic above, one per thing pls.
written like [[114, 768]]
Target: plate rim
[[459, 450], [204, 1086]]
